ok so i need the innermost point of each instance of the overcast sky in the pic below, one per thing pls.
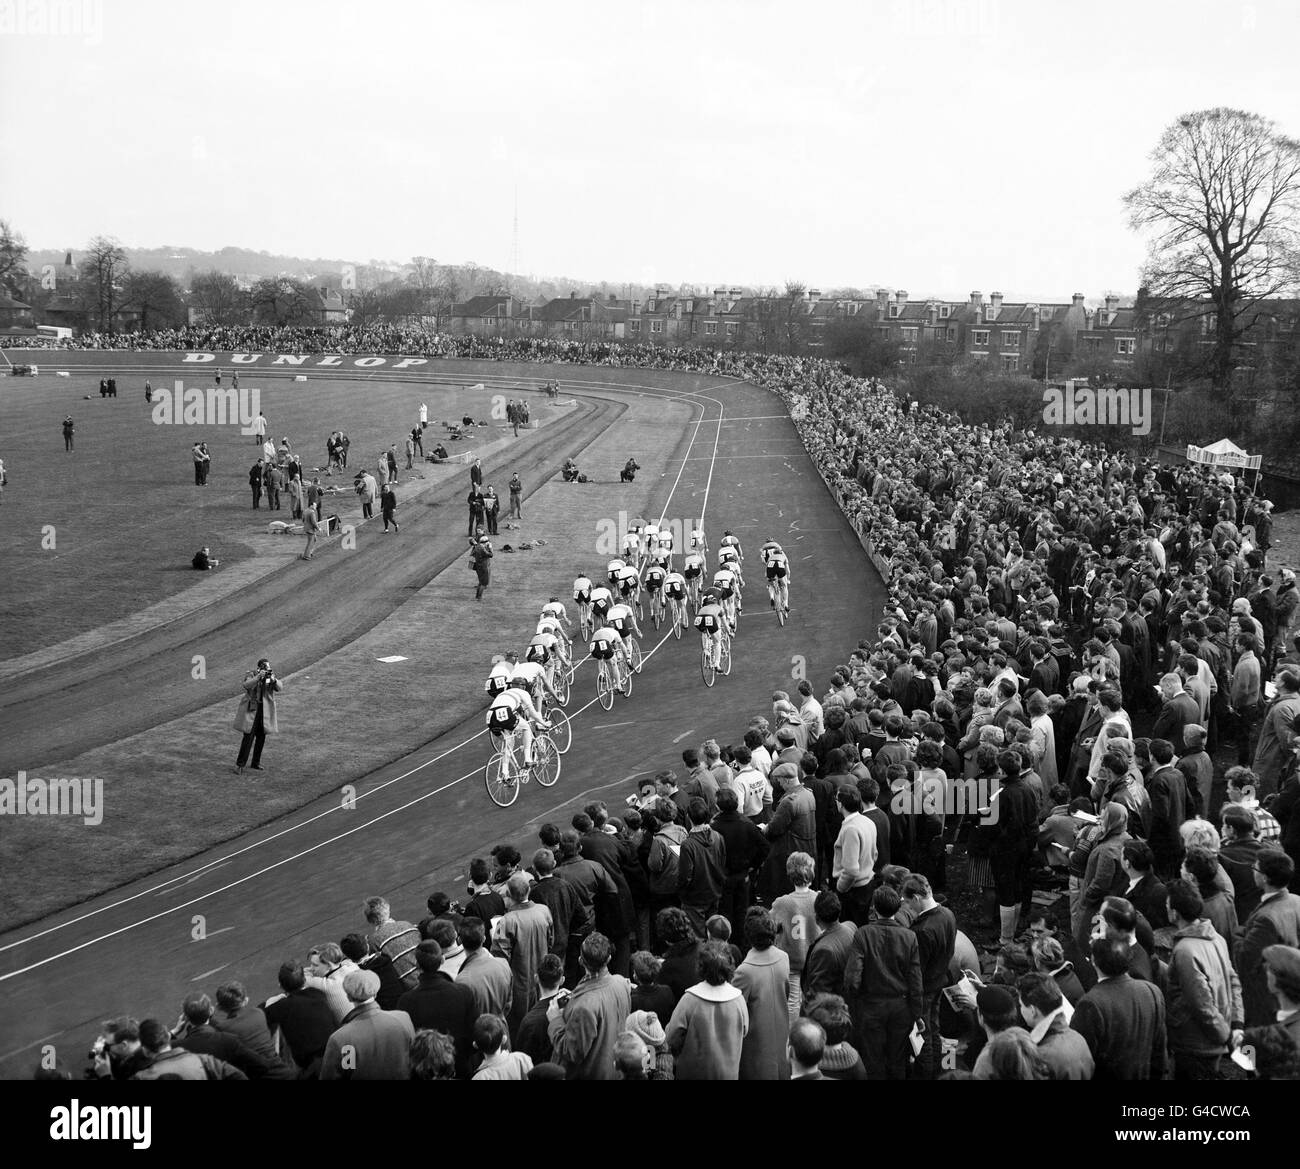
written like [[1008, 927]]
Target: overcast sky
[[936, 145]]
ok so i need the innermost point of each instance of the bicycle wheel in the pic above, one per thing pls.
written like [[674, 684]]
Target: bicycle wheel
[[706, 666], [655, 615], [546, 761], [626, 688], [780, 614], [562, 685], [679, 620], [561, 730], [501, 781], [640, 611], [634, 649], [726, 656], [604, 688]]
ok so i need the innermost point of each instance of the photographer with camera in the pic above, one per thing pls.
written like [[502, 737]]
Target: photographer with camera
[[117, 1053], [256, 714]]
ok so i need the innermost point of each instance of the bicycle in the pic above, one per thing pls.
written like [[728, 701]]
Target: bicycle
[[678, 610], [656, 609], [778, 593], [707, 669], [561, 732], [505, 772], [609, 681], [560, 680], [634, 654], [584, 620]]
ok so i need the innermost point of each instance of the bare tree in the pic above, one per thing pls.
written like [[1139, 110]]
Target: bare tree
[[218, 298], [282, 300], [1223, 211], [103, 269]]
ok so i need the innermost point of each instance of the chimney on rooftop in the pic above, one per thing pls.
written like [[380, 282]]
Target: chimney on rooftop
[[1077, 298], [1036, 316], [995, 305], [933, 309], [1112, 303], [882, 303], [976, 299], [900, 298]]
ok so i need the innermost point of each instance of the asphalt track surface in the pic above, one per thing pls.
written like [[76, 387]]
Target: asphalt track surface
[[237, 910]]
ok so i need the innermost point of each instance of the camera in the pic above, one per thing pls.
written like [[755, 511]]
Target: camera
[[100, 1049]]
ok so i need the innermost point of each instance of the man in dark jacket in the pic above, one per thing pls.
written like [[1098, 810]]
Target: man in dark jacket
[[440, 1004], [1168, 790], [936, 937], [1275, 921], [746, 848], [882, 983], [304, 1017], [1122, 1019], [1239, 855], [1014, 836], [570, 920], [701, 867], [202, 1038], [828, 955], [1146, 892]]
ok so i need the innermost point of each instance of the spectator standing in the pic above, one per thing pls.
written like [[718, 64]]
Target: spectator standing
[[516, 497], [523, 936], [707, 1030], [763, 978], [255, 718], [585, 1026], [486, 974], [883, 986], [370, 1044], [1274, 922], [1122, 1019]]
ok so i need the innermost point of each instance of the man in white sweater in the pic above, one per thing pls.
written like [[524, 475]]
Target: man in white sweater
[[854, 862]]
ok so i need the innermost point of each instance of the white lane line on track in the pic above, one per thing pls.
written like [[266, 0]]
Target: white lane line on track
[[209, 973], [204, 869], [683, 736], [611, 726]]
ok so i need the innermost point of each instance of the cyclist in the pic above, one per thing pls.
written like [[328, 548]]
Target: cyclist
[[637, 528], [612, 571], [651, 536], [693, 571], [582, 594], [728, 557], [730, 541], [513, 708], [629, 584], [601, 600], [699, 541], [709, 622], [655, 576], [674, 588], [724, 582], [555, 610], [534, 673], [665, 547], [631, 544], [549, 627], [546, 649], [778, 573], [499, 678], [607, 646], [622, 619]]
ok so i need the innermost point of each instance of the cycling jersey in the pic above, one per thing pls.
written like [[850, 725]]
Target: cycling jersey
[[555, 611], [548, 625], [614, 568], [728, 555], [654, 578], [651, 535], [769, 550], [503, 714], [603, 643], [582, 590], [724, 582], [499, 678], [675, 586], [697, 538], [666, 540], [538, 652], [628, 580], [631, 544], [529, 671], [709, 619], [620, 618], [777, 566], [693, 567]]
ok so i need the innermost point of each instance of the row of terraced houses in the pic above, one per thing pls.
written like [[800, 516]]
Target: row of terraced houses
[[995, 330]]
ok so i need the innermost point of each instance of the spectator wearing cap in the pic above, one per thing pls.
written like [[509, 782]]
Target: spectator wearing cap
[[438, 1003], [371, 1044], [1276, 1043], [1275, 921], [1047, 1014], [585, 1027], [709, 1026], [522, 937], [763, 978], [1202, 991], [1121, 1018], [492, 1042], [532, 1036], [882, 983], [647, 1027], [304, 1018], [996, 1012]]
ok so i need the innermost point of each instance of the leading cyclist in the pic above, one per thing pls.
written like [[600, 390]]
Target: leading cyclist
[[778, 574]]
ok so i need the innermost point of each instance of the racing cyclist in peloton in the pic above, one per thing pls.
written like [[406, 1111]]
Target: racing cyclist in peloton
[[778, 573], [511, 708], [708, 620]]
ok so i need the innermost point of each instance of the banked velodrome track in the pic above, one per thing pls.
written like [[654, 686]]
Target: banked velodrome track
[[300, 879]]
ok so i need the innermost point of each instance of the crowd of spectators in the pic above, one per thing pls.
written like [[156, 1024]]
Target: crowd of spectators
[[781, 909]]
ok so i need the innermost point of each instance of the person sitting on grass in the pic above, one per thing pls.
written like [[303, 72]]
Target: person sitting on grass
[[204, 560]]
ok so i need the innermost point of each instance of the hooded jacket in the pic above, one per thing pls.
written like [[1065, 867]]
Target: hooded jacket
[[1203, 993], [665, 850], [701, 869]]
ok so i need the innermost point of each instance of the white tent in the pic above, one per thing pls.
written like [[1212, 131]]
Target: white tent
[[1224, 453]]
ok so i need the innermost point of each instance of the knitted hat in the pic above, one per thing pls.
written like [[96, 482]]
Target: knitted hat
[[646, 1025]]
